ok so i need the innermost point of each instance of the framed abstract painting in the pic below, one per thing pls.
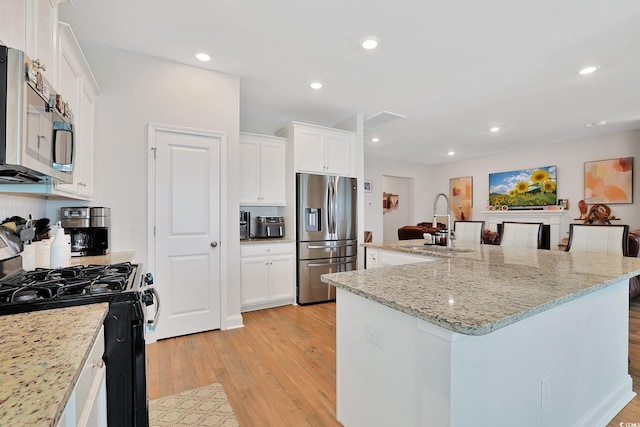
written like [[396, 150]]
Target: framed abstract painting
[[461, 197], [609, 181]]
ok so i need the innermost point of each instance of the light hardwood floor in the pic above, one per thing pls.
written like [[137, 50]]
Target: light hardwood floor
[[279, 370]]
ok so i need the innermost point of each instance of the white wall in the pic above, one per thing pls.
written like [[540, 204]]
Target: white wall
[[137, 90], [423, 191], [21, 206], [402, 215], [569, 157]]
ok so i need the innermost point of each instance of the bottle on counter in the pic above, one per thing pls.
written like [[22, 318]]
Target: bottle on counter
[[60, 249]]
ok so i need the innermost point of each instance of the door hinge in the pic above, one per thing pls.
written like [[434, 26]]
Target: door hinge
[[154, 231], [154, 149]]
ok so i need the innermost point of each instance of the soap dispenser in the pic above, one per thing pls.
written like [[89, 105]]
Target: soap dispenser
[[59, 251]]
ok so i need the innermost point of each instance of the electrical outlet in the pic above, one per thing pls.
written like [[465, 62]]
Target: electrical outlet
[[545, 390], [375, 336]]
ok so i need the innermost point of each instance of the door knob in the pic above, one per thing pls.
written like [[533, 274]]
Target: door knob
[[214, 244]]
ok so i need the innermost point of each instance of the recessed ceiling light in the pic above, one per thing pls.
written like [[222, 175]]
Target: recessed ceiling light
[[370, 44], [201, 56], [495, 129], [600, 123], [587, 70], [375, 139], [316, 85], [451, 153]]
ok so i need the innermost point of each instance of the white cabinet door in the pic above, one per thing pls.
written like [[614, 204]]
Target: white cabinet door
[[272, 173], [281, 278], [78, 87], [31, 26], [322, 150], [13, 23], [339, 154], [249, 172], [83, 174], [44, 36], [254, 279], [310, 150], [87, 405], [267, 275]]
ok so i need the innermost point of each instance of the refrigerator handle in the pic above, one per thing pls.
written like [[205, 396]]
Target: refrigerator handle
[[329, 210], [334, 205]]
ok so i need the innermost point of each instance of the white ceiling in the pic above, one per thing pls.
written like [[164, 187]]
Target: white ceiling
[[454, 68]]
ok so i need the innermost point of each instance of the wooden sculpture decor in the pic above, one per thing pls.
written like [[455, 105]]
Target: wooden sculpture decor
[[599, 214]]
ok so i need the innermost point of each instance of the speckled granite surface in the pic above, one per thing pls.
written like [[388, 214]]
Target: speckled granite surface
[[41, 356], [487, 288], [272, 240], [110, 258]]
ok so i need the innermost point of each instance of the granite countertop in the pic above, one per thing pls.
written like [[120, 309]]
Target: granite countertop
[[486, 288], [41, 357], [268, 240], [110, 258]]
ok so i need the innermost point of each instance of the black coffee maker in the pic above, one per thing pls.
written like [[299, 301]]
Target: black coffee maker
[[89, 228]]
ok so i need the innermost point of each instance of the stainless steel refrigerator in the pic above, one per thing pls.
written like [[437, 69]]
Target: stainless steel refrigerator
[[326, 232]]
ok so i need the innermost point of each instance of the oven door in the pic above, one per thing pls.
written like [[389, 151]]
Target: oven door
[[310, 288]]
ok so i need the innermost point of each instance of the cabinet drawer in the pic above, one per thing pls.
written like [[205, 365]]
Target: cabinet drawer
[[257, 249], [91, 368]]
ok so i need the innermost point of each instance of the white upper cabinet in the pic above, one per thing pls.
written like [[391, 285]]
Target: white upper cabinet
[[31, 26], [13, 23], [321, 150], [79, 88], [262, 170]]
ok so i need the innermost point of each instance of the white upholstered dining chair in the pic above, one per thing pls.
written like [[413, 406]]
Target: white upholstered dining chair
[[468, 231], [521, 234], [605, 239]]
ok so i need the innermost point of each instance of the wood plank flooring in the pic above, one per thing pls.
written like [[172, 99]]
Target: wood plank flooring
[[279, 370]]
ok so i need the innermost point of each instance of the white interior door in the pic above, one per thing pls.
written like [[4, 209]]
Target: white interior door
[[187, 211]]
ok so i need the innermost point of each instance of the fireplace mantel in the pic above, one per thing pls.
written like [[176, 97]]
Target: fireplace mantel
[[551, 217]]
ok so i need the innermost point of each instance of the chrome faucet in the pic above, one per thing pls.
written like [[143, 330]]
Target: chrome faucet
[[435, 220]]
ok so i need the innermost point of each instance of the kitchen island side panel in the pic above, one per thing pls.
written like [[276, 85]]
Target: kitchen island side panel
[[565, 366]]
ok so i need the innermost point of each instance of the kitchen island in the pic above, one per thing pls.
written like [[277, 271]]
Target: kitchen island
[[42, 354], [483, 336]]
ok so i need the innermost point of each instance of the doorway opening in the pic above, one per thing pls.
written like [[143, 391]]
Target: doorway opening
[[398, 193]]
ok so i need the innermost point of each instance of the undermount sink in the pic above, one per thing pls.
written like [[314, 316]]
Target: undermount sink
[[435, 248]]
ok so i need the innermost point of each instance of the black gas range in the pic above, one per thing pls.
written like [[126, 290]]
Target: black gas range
[[129, 292]]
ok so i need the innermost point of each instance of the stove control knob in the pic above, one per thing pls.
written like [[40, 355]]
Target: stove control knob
[[147, 298], [148, 279]]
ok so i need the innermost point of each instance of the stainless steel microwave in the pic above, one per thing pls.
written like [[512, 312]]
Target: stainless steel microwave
[[36, 125]]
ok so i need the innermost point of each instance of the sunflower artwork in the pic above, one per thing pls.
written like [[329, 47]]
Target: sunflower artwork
[[525, 188]]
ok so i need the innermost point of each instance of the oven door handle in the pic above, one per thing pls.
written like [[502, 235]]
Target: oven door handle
[[156, 296]]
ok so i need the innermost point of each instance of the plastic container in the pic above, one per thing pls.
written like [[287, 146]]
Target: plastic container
[[29, 257], [60, 250], [43, 253]]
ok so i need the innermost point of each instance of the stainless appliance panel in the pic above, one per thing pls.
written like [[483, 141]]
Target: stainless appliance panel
[[28, 125], [327, 207], [311, 289], [245, 225], [327, 249]]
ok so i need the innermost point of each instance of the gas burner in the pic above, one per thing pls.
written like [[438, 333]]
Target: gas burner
[[97, 288], [24, 295]]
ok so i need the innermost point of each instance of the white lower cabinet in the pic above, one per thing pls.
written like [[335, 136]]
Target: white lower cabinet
[[377, 258], [267, 275], [87, 405]]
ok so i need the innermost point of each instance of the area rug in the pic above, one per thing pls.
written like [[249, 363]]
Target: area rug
[[205, 406]]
